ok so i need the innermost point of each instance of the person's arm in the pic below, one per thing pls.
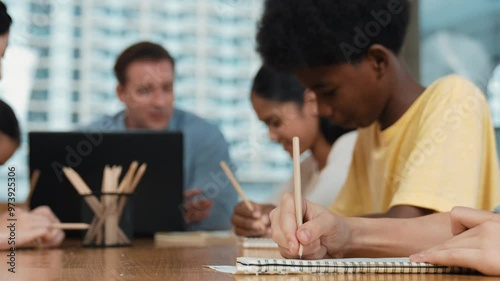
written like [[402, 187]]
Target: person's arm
[[326, 235], [402, 211], [476, 243], [392, 237], [211, 180]]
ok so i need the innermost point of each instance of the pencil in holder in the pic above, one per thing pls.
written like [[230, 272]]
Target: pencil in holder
[[112, 219], [112, 211]]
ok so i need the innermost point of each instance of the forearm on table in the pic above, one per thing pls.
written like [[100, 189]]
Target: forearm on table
[[402, 211], [387, 237]]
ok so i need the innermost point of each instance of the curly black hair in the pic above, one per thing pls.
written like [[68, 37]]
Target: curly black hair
[[9, 124], [5, 19], [284, 87], [298, 34]]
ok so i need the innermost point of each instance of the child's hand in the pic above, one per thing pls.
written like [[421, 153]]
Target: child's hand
[[30, 226], [196, 208], [476, 243], [323, 234], [252, 224]]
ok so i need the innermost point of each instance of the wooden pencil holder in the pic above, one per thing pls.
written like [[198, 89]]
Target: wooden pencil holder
[[112, 222]]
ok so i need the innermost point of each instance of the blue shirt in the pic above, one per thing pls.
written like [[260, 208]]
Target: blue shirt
[[204, 148]]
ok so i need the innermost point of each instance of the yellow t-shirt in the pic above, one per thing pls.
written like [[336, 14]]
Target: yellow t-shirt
[[441, 153]]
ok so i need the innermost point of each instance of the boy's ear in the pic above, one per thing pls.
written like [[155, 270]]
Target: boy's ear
[[120, 92], [378, 57], [310, 101]]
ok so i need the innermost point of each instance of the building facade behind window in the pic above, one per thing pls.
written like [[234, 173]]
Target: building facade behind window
[[77, 41]]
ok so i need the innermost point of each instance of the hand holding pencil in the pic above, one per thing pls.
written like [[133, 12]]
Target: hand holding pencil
[[249, 218], [249, 223], [305, 230], [39, 224]]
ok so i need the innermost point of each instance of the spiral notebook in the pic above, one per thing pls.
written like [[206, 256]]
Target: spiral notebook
[[247, 265]]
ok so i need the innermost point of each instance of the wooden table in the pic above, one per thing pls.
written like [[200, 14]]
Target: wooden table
[[144, 261]]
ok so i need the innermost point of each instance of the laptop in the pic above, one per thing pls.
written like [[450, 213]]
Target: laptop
[[157, 200]]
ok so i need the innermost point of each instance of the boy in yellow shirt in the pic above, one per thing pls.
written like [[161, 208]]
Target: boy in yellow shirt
[[419, 150]]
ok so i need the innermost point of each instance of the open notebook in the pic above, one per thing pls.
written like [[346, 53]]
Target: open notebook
[[247, 265]]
